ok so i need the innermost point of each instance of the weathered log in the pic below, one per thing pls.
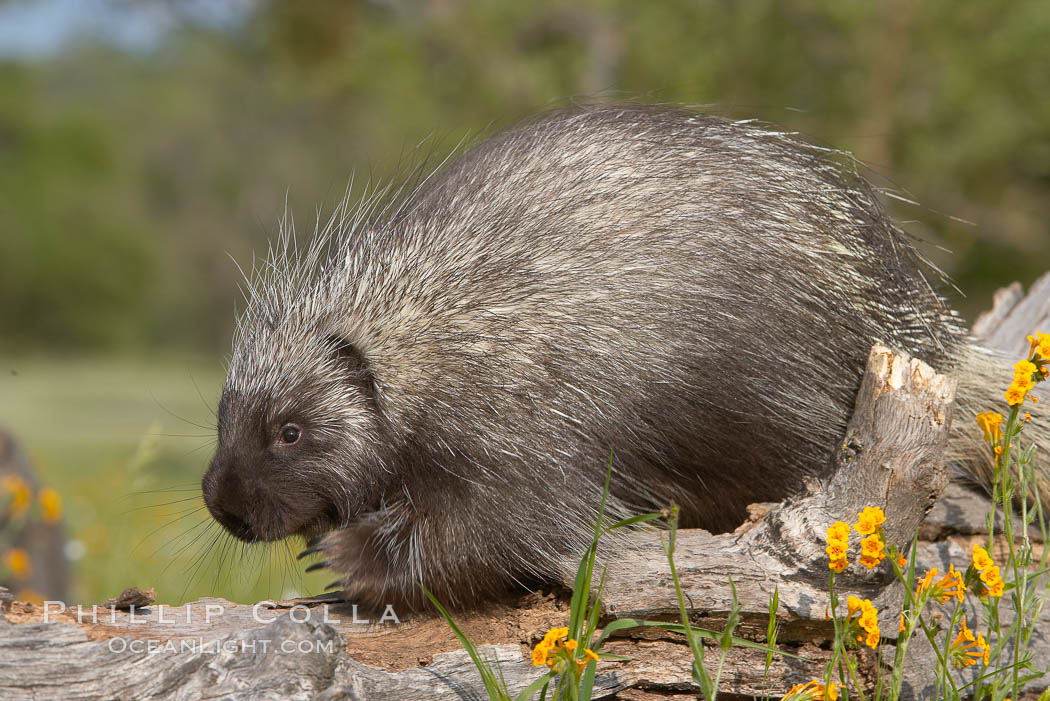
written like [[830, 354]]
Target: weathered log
[[1013, 316]]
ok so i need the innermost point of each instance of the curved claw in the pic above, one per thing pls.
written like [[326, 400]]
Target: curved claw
[[333, 585], [317, 566], [309, 551], [314, 542]]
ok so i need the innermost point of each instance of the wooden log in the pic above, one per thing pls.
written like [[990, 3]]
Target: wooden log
[[1013, 316]]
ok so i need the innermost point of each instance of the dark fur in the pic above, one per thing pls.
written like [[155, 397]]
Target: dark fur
[[696, 294]]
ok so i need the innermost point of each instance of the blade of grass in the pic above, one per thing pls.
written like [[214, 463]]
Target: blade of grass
[[536, 686], [640, 518], [492, 686], [582, 582]]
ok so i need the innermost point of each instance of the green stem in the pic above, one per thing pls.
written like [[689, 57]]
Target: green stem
[[898, 658], [697, 650], [1007, 496], [942, 661]]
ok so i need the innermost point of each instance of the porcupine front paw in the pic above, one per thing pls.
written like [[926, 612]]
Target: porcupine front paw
[[364, 557], [386, 557]]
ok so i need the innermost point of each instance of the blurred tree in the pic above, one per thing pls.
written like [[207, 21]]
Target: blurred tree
[[128, 175], [70, 275]]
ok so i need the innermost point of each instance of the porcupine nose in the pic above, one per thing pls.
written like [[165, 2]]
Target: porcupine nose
[[226, 499]]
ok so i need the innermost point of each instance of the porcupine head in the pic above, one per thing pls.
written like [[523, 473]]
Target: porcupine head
[[305, 445]]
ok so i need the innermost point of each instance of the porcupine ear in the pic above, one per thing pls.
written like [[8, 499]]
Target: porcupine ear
[[351, 358]]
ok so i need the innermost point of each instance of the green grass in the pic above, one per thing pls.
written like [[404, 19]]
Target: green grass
[[125, 442]]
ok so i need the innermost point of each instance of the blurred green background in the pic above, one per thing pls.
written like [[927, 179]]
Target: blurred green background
[[146, 143]]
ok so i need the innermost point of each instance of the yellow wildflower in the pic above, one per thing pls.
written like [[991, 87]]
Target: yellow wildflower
[[869, 520], [950, 585], [872, 551], [901, 562], [1024, 383], [869, 618], [1042, 345], [867, 622], [872, 640], [540, 654], [812, 691], [556, 653], [588, 656], [555, 634], [990, 574], [993, 582], [1014, 395], [871, 544], [17, 560], [50, 504], [991, 423], [838, 543], [1024, 368], [981, 559], [967, 649], [926, 581], [837, 565], [21, 494], [836, 550], [838, 531]]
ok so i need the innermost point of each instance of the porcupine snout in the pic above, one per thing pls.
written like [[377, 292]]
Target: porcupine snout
[[226, 496]]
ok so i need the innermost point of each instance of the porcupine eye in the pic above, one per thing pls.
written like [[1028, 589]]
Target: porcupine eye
[[290, 434]]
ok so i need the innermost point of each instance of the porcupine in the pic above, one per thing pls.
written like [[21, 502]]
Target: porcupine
[[437, 385]]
